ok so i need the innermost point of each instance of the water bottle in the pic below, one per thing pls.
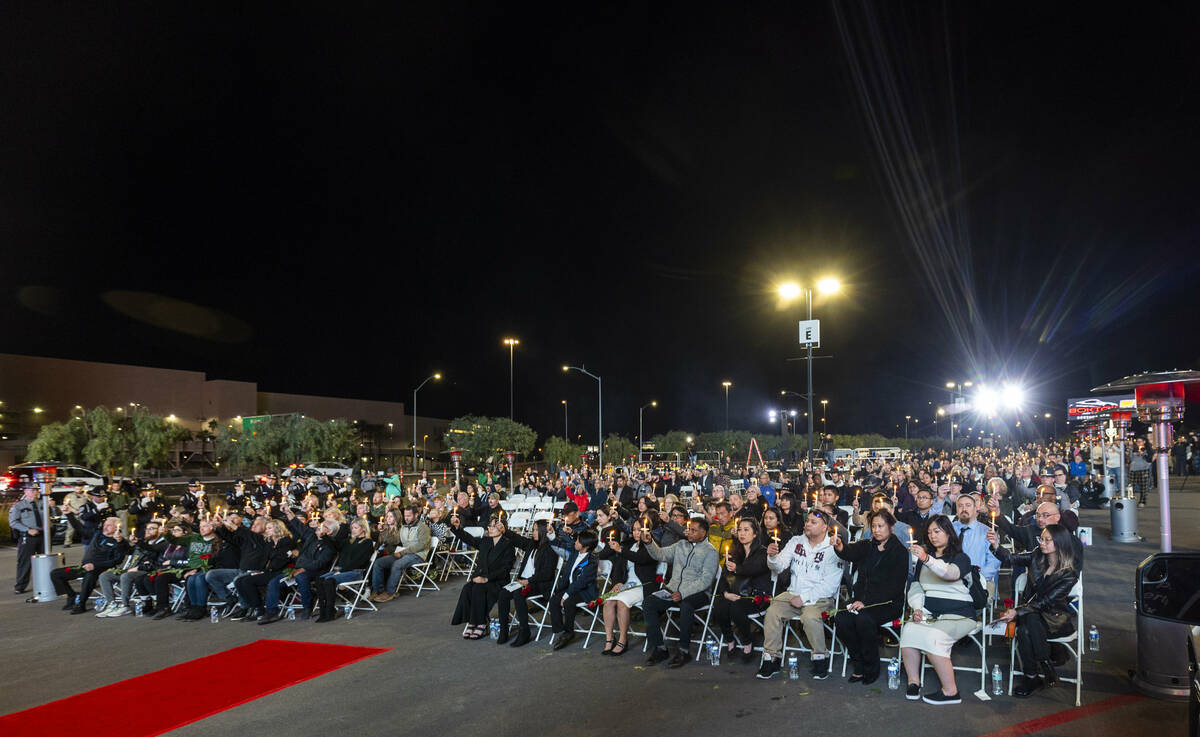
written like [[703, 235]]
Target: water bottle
[[101, 601], [292, 613], [214, 614], [714, 654], [1094, 639], [997, 681], [495, 629], [894, 674], [349, 611], [793, 669], [138, 609], [708, 648]]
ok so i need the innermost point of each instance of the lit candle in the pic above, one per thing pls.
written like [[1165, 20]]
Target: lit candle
[[993, 520], [775, 535]]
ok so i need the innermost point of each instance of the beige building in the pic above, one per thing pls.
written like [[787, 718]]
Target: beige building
[[35, 391]]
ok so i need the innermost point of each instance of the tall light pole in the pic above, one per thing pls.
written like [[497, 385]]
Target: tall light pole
[[824, 411], [641, 440], [955, 389], [726, 384], [434, 377], [511, 343], [566, 437], [906, 419], [828, 285], [599, 412]]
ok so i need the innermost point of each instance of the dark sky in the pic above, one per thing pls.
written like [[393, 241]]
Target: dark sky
[[346, 198]]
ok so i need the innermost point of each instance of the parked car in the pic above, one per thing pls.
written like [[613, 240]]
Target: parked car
[[68, 475]]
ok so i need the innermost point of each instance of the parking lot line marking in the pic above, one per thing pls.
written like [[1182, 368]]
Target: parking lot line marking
[[1067, 715]]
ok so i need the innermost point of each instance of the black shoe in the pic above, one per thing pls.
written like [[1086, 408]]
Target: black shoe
[[1027, 686], [657, 655], [769, 667], [563, 639], [238, 614], [820, 669], [854, 678], [522, 638], [619, 649], [19, 590], [870, 675], [229, 609], [937, 698], [162, 614], [252, 614], [269, 618], [913, 693], [1048, 673], [79, 609], [681, 659], [503, 637], [70, 602]]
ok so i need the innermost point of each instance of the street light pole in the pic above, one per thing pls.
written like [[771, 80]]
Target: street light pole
[[808, 458], [434, 377], [726, 384], [511, 343], [599, 412], [566, 437], [642, 440], [906, 419]]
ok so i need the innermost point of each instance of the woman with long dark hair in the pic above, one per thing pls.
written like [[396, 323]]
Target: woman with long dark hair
[[789, 517], [881, 566], [1044, 610], [743, 588], [942, 611], [634, 574], [493, 563], [534, 579]]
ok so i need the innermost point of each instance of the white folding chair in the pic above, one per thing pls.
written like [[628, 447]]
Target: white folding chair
[[518, 522], [1076, 639], [537, 604], [977, 640], [602, 581], [559, 505], [706, 611], [517, 498], [461, 559], [420, 576], [355, 592], [792, 631]]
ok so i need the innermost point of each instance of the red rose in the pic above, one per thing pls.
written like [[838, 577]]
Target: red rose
[[592, 604], [824, 615], [291, 565], [766, 600], [204, 557], [896, 623], [757, 600], [658, 579], [1008, 603], [526, 590]]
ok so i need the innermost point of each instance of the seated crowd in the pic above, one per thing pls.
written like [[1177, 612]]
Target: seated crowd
[[906, 552]]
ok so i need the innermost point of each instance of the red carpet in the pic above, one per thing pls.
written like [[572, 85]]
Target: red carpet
[[184, 693]]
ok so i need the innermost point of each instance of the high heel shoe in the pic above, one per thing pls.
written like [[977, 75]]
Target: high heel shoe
[[618, 653], [608, 648]]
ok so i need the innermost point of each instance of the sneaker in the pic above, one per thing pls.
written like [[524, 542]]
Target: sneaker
[[913, 693], [120, 611], [820, 669], [108, 610], [937, 698], [769, 668]]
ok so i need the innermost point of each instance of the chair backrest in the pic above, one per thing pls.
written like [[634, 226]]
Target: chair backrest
[[508, 505], [543, 516], [559, 505], [516, 498], [474, 531], [518, 520]]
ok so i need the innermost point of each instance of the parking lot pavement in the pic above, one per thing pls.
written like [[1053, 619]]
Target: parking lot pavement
[[433, 682]]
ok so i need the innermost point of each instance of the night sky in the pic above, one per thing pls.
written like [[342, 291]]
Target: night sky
[[341, 200]]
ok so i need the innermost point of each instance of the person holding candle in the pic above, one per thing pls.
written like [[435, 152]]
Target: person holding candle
[[350, 565], [772, 527], [693, 569], [1044, 611], [790, 518], [743, 587], [942, 611], [407, 545], [535, 578], [816, 574], [634, 574], [493, 563], [280, 552], [972, 537], [720, 531], [576, 583], [316, 553], [881, 570]]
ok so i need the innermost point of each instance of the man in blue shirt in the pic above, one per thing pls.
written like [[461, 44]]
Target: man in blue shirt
[[766, 488], [972, 536]]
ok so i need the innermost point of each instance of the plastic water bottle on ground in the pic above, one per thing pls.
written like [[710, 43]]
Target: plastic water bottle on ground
[[214, 614], [291, 613], [101, 602], [1094, 639], [894, 674], [714, 653], [349, 611], [793, 669], [495, 629], [708, 649], [138, 608], [997, 681]]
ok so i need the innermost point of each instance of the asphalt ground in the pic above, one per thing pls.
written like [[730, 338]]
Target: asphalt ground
[[432, 682]]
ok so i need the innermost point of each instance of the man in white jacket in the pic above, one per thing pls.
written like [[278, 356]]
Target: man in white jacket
[[816, 576]]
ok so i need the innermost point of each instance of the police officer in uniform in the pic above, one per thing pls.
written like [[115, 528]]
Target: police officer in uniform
[[25, 519], [147, 506], [192, 499]]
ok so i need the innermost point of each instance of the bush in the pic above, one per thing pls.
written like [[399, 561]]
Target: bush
[[5, 530]]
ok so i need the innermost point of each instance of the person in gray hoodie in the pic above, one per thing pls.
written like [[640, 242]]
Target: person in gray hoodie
[[412, 549], [693, 562]]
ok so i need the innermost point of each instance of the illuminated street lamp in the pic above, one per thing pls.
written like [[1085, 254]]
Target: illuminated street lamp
[[599, 412], [566, 436], [788, 292], [434, 377], [641, 438], [726, 384], [511, 343]]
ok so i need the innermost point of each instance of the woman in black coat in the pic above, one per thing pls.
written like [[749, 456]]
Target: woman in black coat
[[743, 588], [881, 562], [534, 579], [1044, 610], [634, 574], [493, 565], [281, 555]]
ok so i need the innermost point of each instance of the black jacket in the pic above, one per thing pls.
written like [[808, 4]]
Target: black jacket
[[253, 548], [1047, 595], [751, 577], [146, 509], [545, 561], [150, 553], [495, 559], [883, 581], [316, 553], [104, 552], [644, 567], [278, 556], [355, 555]]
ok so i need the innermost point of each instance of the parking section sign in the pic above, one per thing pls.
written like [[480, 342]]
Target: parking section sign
[[810, 333]]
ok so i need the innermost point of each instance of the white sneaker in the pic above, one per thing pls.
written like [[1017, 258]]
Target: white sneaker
[[108, 610], [120, 611]]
